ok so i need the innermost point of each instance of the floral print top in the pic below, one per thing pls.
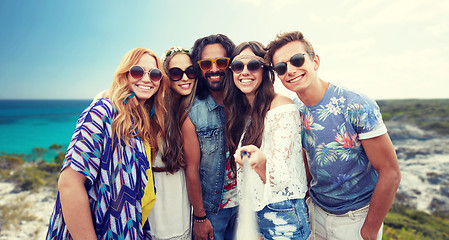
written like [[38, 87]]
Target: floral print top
[[342, 177], [229, 196]]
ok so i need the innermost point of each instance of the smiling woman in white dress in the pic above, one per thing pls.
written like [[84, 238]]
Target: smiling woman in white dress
[[170, 217]]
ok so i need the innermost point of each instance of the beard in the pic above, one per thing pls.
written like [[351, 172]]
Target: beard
[[216, 85]]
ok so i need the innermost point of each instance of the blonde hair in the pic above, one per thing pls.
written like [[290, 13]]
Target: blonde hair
[[131, 118]]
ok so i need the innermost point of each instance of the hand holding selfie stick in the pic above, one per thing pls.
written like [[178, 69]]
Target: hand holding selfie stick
[[247, 227]]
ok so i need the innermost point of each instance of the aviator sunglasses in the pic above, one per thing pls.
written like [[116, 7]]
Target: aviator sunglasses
[[296, 60], [237, 66], [176, 73], [206, 64], [138, 72]]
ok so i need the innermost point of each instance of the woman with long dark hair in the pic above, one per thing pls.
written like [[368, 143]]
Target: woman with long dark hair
[[267, 126], [170, 217]]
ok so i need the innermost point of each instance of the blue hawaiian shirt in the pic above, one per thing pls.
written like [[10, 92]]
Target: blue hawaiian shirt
[[342, 177]]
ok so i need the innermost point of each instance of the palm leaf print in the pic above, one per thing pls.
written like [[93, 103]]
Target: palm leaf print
[[326, 154], [363, 116], [341, 181]]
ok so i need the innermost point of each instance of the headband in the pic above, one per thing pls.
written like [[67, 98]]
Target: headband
[[240, 57], [173, 50]]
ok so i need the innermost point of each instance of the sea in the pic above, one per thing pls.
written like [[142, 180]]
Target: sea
[[31, 124]]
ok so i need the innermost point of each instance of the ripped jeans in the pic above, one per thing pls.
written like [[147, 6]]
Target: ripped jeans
[[284, 220]]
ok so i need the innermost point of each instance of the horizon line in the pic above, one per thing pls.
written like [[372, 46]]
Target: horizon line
[[90, 99]]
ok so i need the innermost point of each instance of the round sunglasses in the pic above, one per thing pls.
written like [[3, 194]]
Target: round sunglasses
[[176, 73], [296, 60], [237, 66], [138, 72], [206, 64]]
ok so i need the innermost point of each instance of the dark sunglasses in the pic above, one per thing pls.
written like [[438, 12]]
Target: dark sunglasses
[[176, 73], [138, 72], [296, 60], [206, 64], [237, 66]]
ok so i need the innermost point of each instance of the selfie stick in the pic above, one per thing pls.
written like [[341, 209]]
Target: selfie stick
[[247, 227]]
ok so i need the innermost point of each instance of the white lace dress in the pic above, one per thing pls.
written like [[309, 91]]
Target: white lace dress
[[170, 217], [285, 170]]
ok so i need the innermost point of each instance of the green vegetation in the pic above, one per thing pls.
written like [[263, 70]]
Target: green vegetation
[[29, 175], [427, 114], [26, 176], [403, 222]]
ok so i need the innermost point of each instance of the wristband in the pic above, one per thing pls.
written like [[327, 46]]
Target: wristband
[[200, 218]]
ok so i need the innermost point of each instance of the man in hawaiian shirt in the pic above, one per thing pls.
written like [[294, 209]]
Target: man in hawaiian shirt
[[352, 162]]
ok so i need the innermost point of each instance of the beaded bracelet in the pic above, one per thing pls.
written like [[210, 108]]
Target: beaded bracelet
[[200, 219]]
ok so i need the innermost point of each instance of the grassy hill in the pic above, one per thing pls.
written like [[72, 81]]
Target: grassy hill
[[403, 222], [427, 114]]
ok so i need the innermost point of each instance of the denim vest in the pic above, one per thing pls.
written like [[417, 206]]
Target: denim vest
[[209, 119]]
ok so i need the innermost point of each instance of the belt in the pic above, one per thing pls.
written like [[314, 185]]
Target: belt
[[160, 169]]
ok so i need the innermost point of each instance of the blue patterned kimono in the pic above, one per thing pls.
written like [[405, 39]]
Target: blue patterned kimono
[[116, 177]]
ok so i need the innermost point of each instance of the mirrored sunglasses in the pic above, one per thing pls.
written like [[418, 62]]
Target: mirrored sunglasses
[[138, 72]]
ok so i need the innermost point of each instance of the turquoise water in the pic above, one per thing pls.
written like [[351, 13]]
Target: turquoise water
[[26, 124]]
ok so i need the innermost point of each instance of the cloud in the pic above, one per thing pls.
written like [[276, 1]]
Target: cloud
[[282, 4], [347, 49], [254, 2], [439, 28], [406, 11], [419, 73]]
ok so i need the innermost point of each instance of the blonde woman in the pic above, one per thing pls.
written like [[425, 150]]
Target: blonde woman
[[106, 188]]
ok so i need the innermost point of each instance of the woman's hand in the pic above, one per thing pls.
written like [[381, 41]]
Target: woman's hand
[[257, 159]]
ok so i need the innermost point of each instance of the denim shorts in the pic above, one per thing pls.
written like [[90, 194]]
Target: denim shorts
[[284, 220]]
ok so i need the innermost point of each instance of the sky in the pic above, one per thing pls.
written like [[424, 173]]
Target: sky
[[70, 49]]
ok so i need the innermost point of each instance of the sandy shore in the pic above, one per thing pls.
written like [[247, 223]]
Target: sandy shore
[[26, 214]]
